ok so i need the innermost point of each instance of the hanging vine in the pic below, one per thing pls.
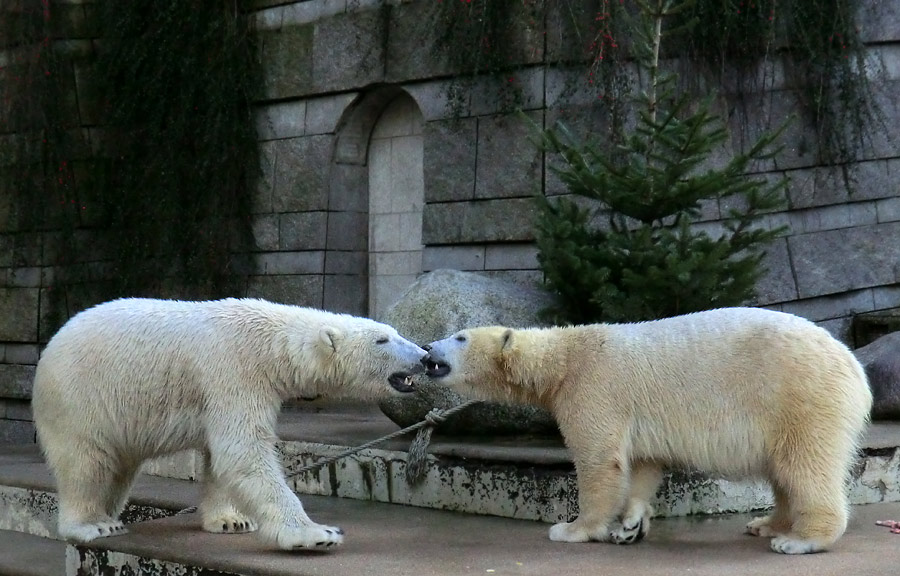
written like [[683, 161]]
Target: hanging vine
[[128, 141], [487, 39], [180, 78], [817, 39], [818, 42]]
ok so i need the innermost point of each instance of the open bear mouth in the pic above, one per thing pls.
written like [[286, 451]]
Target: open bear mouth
[[402, 382], [436, 368]]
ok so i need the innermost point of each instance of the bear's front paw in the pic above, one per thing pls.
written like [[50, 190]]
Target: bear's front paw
[[87, 532], [310, 536], [629, 533], [231, 523], [569, 532]]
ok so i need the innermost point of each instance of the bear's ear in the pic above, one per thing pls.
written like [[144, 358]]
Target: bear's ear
[[506, 340], [329, 336]]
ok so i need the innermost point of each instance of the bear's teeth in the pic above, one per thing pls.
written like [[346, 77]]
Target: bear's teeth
[[408, 381]]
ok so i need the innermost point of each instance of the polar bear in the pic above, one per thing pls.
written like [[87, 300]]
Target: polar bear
[[733, 391], [133, 379]]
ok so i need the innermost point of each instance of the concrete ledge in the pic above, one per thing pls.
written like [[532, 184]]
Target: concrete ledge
[[527, 479], [185, 465], [26, 555], [34, 512], [28, 511], [544, 492], [29, 504], [399, 541], [524, 478]]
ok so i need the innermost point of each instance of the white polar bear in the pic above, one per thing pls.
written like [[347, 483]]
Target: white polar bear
[[134, 379], [734, 391]]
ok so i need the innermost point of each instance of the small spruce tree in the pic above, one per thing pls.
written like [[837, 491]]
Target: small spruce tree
[[621, 247]]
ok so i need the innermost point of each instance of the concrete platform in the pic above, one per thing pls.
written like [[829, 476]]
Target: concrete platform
[[27, 555], [385, 539]]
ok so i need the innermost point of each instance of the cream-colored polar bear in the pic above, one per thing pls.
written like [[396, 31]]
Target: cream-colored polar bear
[[737, 391], [134, 379]]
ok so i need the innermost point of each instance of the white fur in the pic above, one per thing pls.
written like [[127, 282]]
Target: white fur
[[134, 379], [737, 391]]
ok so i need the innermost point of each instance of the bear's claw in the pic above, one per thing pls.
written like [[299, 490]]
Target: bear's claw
[[310, 537], [111, 529], [230, 524], [87, 532]]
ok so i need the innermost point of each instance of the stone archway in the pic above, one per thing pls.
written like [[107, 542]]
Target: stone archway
[[396, 200], [376, 195]]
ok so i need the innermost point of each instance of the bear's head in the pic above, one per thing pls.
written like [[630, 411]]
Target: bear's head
[[361, 358], [495, 363]]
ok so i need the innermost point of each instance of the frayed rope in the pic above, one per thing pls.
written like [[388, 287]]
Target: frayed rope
[[418, 449]]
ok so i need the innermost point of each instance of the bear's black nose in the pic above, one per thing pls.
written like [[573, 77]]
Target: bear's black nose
[[426, 347]]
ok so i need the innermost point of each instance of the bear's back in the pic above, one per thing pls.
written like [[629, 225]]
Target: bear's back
[[733, 357]]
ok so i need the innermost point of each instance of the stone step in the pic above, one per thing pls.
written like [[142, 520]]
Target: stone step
[[26, 555], [523, 478], [383, 540], [28, 502]]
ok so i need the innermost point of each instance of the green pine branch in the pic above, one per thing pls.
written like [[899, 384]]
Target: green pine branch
[[646, 260]]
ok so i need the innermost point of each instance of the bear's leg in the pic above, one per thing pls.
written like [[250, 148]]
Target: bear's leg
[[602, 488], [776, 523], [813, 477], [86, 484], [218, 512], [249, 470], [117, 497], [819, 512], [645, 480]]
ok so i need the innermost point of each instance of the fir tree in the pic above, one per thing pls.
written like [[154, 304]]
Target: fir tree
[[621, 247]]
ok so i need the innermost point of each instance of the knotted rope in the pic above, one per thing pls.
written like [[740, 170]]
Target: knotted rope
[[418, 449]]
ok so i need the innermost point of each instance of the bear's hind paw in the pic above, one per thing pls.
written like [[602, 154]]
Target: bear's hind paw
[[765, 527], [625, 533], [573, 532], [791, 545], [634, 524]]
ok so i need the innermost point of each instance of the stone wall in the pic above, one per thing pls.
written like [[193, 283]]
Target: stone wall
[[333, 67], [840, 257]]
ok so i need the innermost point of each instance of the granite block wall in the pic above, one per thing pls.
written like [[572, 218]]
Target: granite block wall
[[332, 69], [839, 257]]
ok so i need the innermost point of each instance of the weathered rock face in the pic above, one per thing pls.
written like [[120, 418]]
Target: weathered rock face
[[881, 359], [437, 305]]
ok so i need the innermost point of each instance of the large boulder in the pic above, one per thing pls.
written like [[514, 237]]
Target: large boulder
[[440, 303], [881, 359]]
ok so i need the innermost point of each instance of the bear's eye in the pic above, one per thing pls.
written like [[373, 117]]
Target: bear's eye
[[382, 340], [460, 338]]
